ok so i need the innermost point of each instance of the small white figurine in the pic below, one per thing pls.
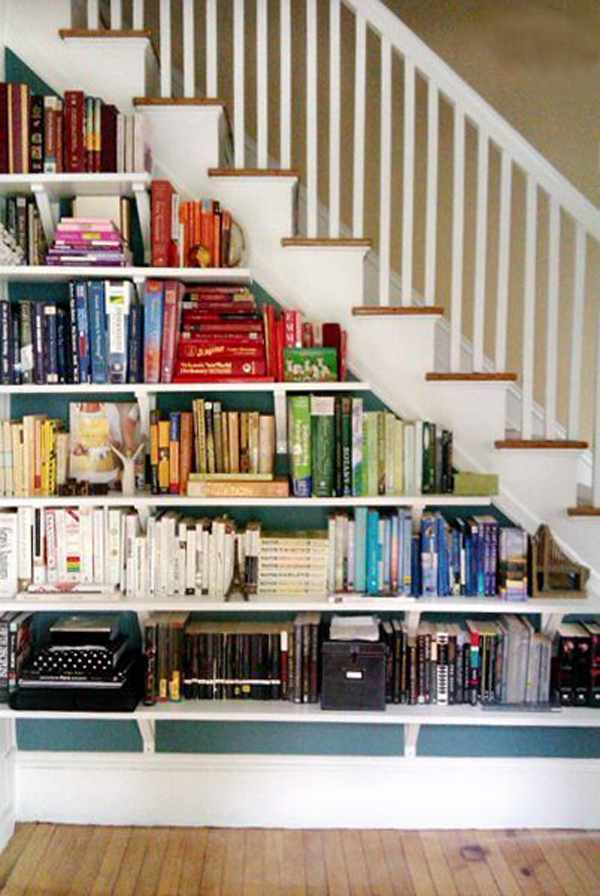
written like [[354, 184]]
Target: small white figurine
[[128, 472]]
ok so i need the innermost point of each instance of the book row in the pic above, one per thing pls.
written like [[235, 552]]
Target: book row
[[76, 133], [337, 448], [496, 662], [23, 222], [94, 548], [88, 241]]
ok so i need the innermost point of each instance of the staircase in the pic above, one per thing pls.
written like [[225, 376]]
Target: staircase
[[470, 304]]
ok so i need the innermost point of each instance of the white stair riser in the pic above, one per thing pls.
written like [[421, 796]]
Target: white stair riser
[[475, 411], [547, 477], [186, 142], [263, 206]]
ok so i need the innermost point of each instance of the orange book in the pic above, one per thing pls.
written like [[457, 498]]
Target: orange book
[[238, 488], [174, 451], [163, 456], [186, 447]]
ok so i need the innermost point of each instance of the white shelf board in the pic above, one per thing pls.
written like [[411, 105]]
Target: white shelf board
[[57, 273], [145, 500], [69, 601], [58, 186], [166, 388], [281, 711]]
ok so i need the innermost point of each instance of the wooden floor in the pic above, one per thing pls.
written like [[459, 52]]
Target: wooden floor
[[61, 859]]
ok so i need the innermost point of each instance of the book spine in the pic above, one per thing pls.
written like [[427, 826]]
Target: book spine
[[5, 342], [117, 296], [322, 445], [153, 326], [83, 331], [161, 223], [74, 129], [98, 335], [4, 129], [300, 444], [51, 344], [38, 344], [174, 437], [135, 346], [36, 135], [171, 326]]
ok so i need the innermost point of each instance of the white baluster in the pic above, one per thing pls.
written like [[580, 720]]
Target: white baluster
[[432, 190], [165, 48], [212, 89], [262, 112], [480, 249], [138, 14], [239, 130], [408, 190], [285, 86], [311, 118], [577, 333], [458, 226], [189, 68], [529, 287], [116, 15], [503, 261], [385, 172], [596, 457], [93, 15], [358, 185], [334, 118], [552, 319]]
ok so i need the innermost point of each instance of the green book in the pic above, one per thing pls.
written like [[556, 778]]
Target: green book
[[299, 425], [370, 464], [322, 437], [304, 365], [346, 446]]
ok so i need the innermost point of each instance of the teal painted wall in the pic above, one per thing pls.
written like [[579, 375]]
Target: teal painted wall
[[276, 738]]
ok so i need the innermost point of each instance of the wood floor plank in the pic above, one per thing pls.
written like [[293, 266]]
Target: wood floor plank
[[567, 845], [461, 872], [502, 872], [254, 862], [590, 850], [294, 868], [273, 861], [511, 850], [89, 862], [11, 854], [396, 862], [29, 861], [379, 878], [132, 862], [356, 867], [437, 863], [194, 850], [111, 861], [417, 864], [76, 839], [337, 878], [233, 871], [473, 852], [314, 853], [156, 848], [550, 846], [170, 872], [46, 873], [214, 860], [537, 861]]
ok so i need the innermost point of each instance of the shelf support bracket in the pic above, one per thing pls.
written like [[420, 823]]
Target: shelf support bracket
[[550, 623], [142, 201], [411, 738], [279, 399], [147, 728], [48, 211]]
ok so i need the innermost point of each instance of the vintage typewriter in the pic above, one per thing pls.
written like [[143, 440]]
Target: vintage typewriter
[[87, 664]]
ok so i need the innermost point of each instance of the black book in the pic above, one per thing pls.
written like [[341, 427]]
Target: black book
[[36, 134]]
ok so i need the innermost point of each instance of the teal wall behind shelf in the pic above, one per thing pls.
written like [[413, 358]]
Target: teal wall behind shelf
[[274, 738]]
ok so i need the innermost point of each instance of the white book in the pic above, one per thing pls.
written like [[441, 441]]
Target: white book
[[8, 459], [350, 566], [206, 564], [212, 561], [17, 457], [331, 536], [73, 547], [2, 463], [99, 525], [114, 547], [399, 456], [418, 457], [151, 554], [117, 298], [409, 459], [190, 556], [390, 441], [51, 546], [61, 555], [120, 143], [87, 545], [131, 531], [139, 576], [25, 543], [9, 565]]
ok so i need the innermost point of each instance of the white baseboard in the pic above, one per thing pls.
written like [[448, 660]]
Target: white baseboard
[[317, 792], [7, 827]]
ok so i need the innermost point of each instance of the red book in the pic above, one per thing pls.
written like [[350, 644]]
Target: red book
[[4, 134], [108, 138], [226, 306], [229, 339], [59, 125], [268, 318], [280, 347], [18, 131], [307, 336], [225, 327], [207, 226], [164, 247], [171, 326], [289, 329], [233, 367], [191, 351], [197, 378], [74, 131], [215, 290]]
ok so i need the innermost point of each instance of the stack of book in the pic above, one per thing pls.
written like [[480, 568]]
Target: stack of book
[[338, 449], [502, 661], [205, 233], [299, 351], [23, 222], [293, 563], [16, 644], [88, 241], [379, 552], [79, 133], [34, 453]]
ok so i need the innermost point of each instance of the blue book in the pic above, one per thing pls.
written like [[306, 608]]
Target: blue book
[[415, 585], [63, 340], [360, 549], [387, 555], [153, 327], [407, 540], [83, 331], [15, 338], [97, 328], [39, 364], [5, 342], [73, 366], [135, 347], [429, 558], [372, 551], [51, 344]]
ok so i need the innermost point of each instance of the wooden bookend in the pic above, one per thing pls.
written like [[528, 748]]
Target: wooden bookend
[[552, 571]]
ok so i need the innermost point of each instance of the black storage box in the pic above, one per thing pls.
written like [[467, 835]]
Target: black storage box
[[353, 675]]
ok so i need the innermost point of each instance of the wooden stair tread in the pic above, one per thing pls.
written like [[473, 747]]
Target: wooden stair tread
[[176, 101], [472, 377], [397, 310], [317, 241], [103, 32], [253, 172], [542, 443], [584, 510]]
